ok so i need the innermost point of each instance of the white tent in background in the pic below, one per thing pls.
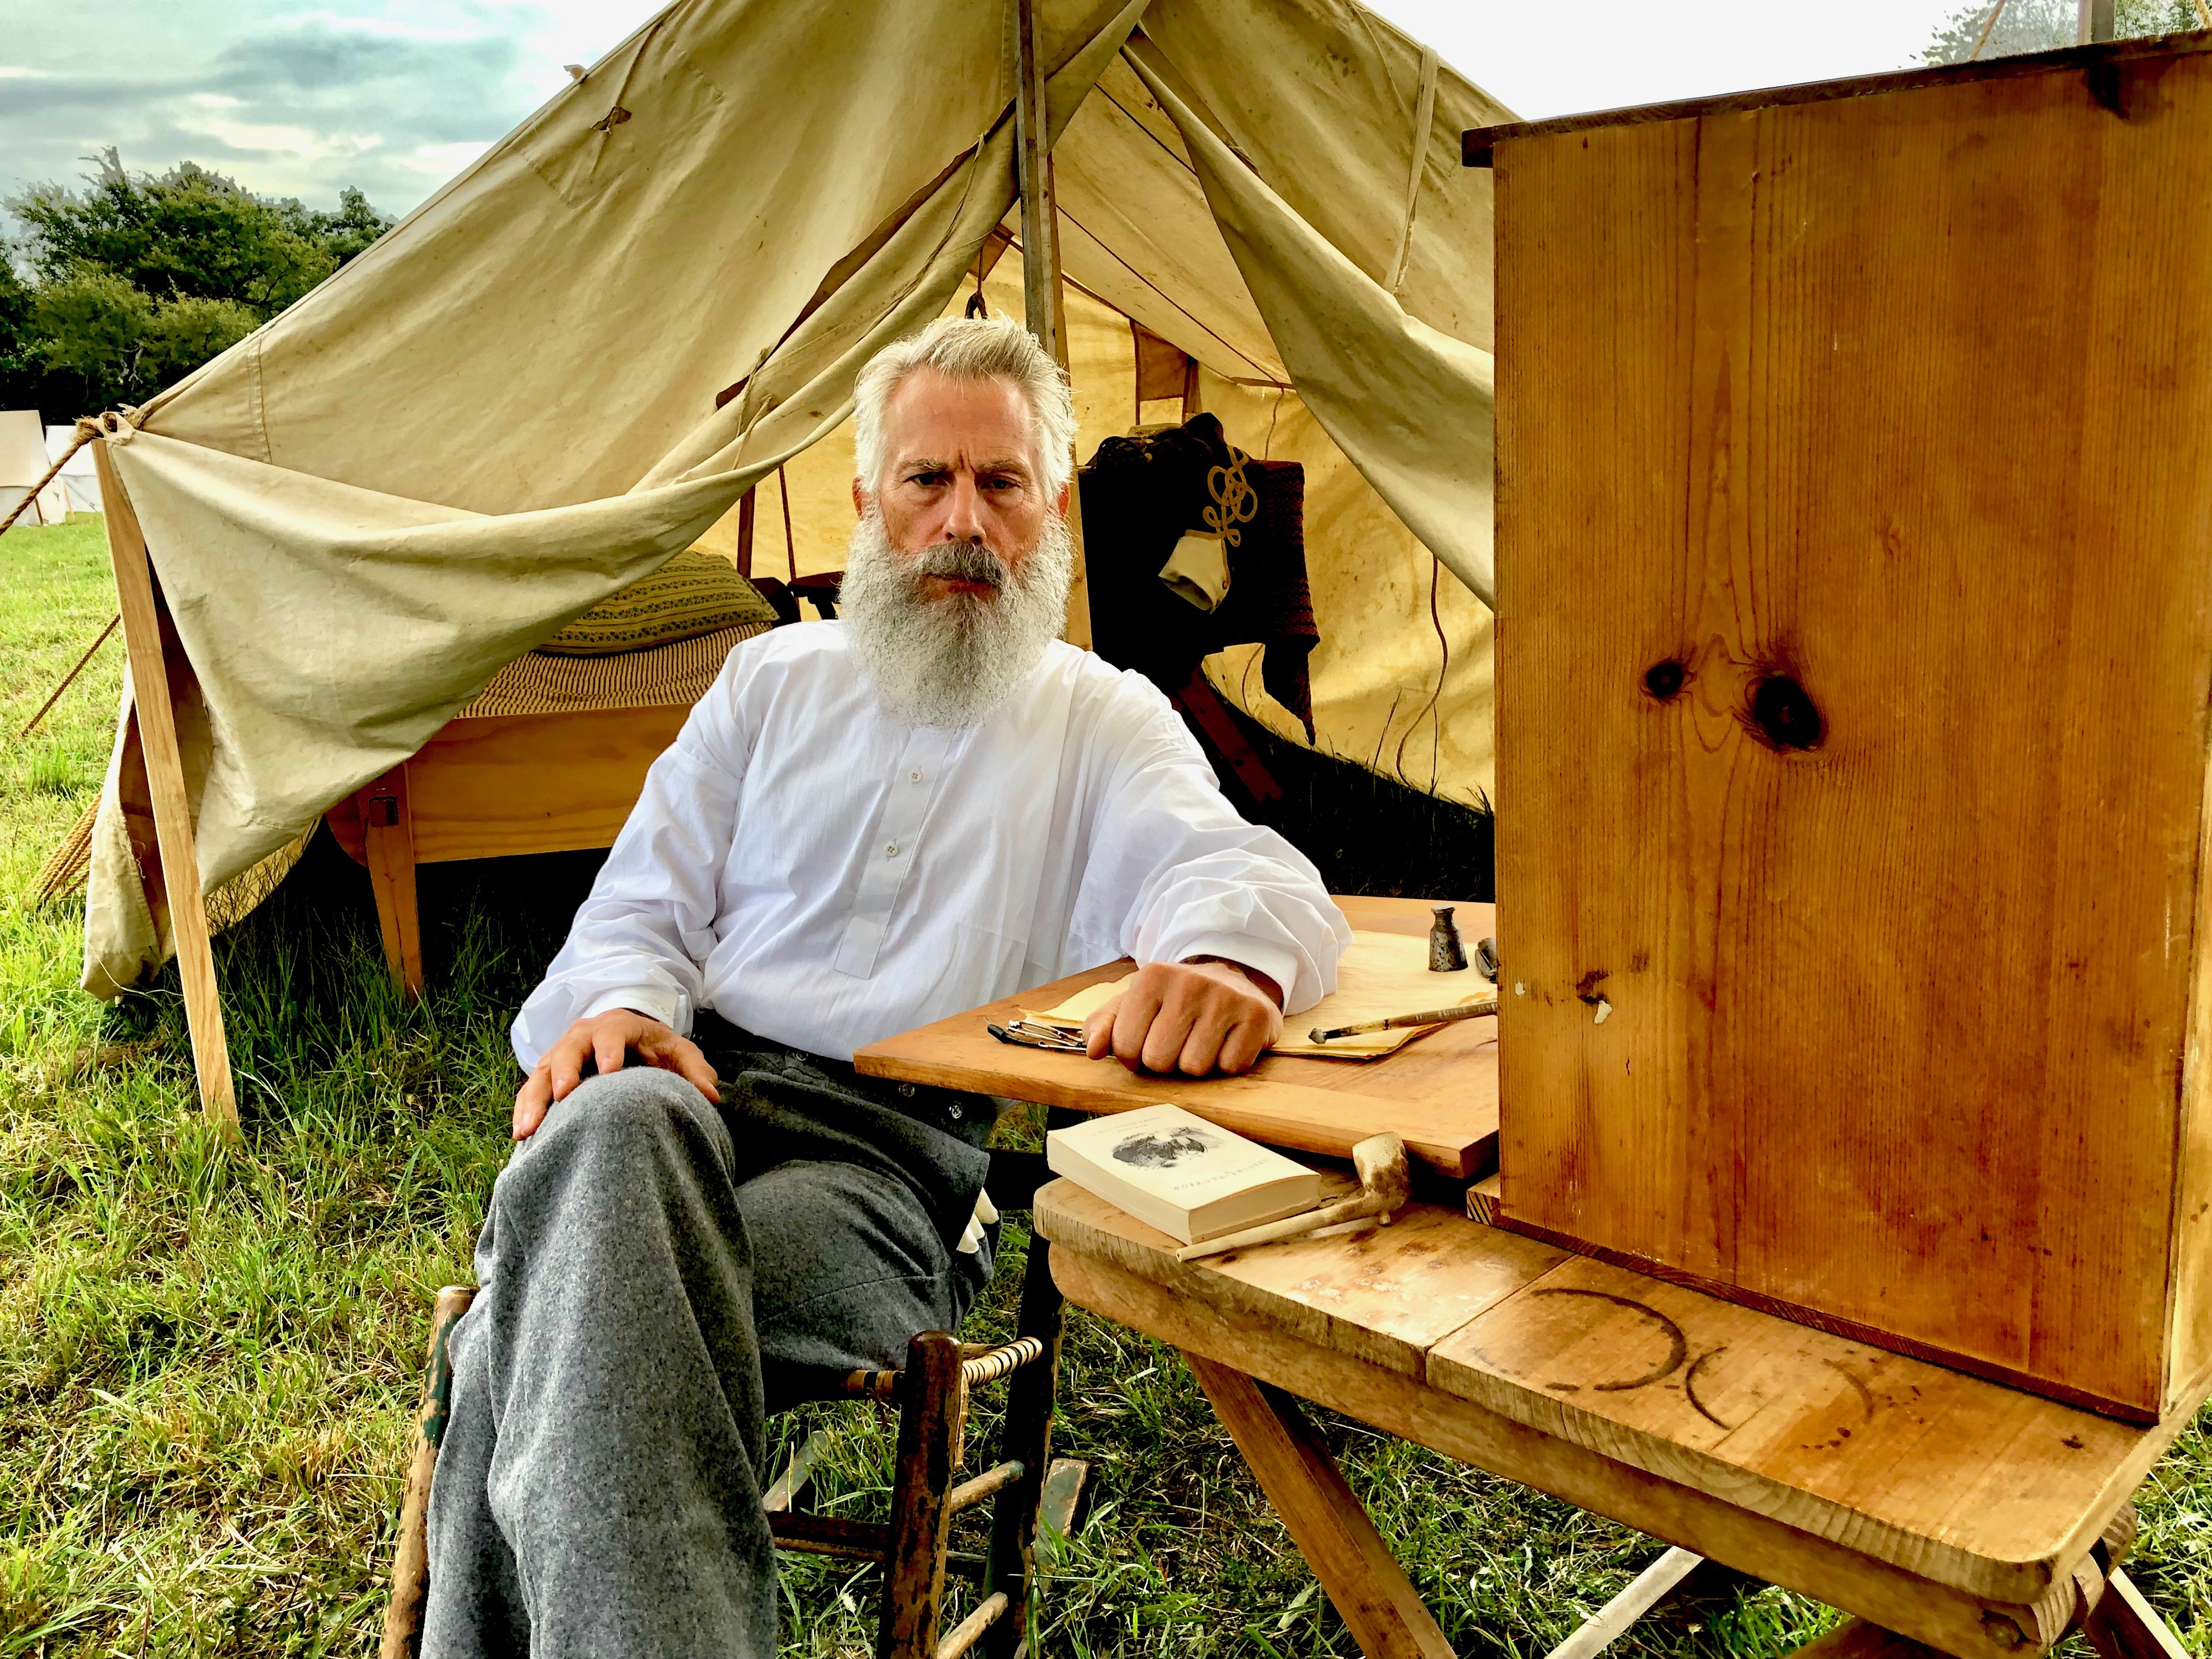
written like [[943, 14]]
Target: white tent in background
[[78, 473], [23, 462]]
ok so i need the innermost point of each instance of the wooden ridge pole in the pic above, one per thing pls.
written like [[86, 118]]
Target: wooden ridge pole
[[165, 779], [1043, 289]]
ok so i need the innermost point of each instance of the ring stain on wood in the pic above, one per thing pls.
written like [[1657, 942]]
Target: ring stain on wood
[[1865, 1394], [1690, 1387], [1678, 1347]]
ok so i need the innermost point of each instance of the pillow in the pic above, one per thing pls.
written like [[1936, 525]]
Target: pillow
[[693, 593]]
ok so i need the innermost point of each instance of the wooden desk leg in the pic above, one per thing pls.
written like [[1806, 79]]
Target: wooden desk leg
[[2122, 1625], [1679, 1576], [388, 837], [1369, 1589], [1028, 1436], [1855, 1638]]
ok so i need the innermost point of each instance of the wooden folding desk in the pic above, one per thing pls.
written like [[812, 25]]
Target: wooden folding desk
[[1950, 1510], [1438, 1094]]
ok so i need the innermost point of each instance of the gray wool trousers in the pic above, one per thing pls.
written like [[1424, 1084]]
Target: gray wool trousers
[[655, 1275]]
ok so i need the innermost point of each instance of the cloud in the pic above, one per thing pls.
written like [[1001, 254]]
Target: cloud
[[297, 107]]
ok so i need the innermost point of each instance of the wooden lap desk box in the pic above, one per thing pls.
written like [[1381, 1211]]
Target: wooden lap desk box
[[1438, 1094], [1960, 1513], [1853, 669]]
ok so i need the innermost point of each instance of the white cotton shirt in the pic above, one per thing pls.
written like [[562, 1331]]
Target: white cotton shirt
[[821, 872]]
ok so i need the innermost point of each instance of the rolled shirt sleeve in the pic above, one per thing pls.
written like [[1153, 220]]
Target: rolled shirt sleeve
[[1185, 876]]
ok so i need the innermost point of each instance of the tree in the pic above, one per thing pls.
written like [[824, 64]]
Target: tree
[[23, 366], [139, 278], [351, 228], [2046, 26], [93, 322]]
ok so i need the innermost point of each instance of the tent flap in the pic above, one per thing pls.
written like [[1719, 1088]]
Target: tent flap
[[1411, 406]]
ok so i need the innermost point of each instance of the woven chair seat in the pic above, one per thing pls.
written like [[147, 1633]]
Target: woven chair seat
[[661, 676]]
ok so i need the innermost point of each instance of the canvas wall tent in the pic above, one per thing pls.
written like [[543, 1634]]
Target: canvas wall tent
[[515, 403], [23, 462]]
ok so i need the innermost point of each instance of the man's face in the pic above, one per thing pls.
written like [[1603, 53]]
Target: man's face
[[961, 470]]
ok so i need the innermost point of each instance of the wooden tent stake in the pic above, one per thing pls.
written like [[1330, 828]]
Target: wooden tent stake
[[164, 778], [1043, 287]]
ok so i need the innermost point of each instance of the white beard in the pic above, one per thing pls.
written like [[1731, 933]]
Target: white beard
[[951, 660]]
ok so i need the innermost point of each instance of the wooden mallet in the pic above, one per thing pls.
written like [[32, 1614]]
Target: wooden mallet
[[1386, 1186]]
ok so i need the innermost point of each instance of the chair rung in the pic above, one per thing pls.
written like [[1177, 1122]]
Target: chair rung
[[986, 1368], [962, 1636], [871, 1385], [979, 1362], [995, 1479], [826, 1534]]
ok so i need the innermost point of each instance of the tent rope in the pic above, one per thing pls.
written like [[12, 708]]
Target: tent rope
[[69, 678], [86, 431], [1423, 123], [1435, 740], [978, 307], [1994, 12]]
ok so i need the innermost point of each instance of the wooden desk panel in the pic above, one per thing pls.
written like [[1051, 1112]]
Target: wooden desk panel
[[1438, 1094]]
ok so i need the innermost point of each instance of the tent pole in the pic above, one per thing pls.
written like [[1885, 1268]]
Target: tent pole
[[1043, 289], [164, 778], [745, 534]]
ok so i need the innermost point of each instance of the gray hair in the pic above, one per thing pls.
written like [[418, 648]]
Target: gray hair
[[969, 348]]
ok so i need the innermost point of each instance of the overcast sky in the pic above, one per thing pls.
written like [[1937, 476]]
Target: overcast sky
[[396, 95]]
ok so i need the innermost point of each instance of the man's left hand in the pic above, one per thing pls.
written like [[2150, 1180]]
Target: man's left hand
[[1188, 1017]]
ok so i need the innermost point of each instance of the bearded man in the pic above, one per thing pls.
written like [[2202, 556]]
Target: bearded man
[[865, 825]]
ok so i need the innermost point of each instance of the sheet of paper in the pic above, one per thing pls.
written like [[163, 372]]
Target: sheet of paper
[[1379, 975]]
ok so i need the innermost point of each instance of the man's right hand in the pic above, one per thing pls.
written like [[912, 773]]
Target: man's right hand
[[607, 1038]]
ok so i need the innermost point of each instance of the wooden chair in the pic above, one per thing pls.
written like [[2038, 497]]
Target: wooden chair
[[931, 1394]]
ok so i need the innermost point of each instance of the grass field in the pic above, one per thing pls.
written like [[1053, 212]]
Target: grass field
[[209, 1351]]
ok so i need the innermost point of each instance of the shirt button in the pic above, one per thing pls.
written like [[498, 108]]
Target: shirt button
[[915, 777], [890, 849]]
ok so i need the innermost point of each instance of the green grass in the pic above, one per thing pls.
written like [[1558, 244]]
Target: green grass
[[209, 1351]]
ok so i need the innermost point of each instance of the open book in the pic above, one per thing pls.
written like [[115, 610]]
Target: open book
[[1173, 1170]]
